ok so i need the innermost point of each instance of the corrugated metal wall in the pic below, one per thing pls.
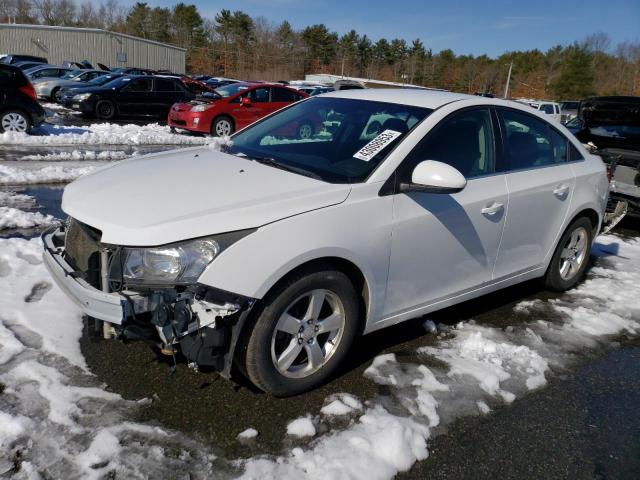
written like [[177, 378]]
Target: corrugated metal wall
[[58, 44]]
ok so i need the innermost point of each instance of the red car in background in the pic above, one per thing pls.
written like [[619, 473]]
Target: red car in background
[[233, 107]]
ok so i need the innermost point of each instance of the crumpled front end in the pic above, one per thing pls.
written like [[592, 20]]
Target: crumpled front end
[[201, 322]]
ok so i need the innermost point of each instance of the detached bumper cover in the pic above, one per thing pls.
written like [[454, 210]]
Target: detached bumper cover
[[109, 307]]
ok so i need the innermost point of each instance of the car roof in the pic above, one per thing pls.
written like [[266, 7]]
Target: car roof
[[405, 96]]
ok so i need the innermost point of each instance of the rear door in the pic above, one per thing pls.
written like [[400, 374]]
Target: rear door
[[166, 92], [135, 98], [446, 244], [540, 183]]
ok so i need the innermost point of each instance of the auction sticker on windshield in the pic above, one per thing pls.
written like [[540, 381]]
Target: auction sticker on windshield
[[376, 145]]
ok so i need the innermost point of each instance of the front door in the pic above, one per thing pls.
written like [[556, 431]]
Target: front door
[[246, 113], [135, 98], [446, 244], [540, 183]]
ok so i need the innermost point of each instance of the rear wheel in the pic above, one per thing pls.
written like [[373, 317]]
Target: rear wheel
[[14, 121], [571, 257], [105, 109], [302, 333], [222, 127]]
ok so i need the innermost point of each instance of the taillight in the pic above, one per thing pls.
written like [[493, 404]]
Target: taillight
[[29, 91]]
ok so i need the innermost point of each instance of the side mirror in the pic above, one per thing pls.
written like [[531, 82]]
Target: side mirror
[[245, 101], [434, 177]]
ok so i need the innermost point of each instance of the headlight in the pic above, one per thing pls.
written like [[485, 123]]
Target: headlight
[[82, 96], [200, 108], [175, 264]]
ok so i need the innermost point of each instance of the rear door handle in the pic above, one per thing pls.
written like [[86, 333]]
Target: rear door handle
[[492, 209], [561, 190]]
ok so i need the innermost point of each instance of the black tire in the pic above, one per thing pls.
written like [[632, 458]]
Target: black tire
[[25, 119], [260, 338], [216, 126], [105, 109], [553, 279], [54, 95], [305, 130]]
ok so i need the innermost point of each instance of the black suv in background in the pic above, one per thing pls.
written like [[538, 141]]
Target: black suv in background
[[19, 107], [125, 96]]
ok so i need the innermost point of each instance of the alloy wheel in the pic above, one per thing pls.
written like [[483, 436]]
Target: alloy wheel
[[14, 122], [574, 253], [223, 128], [308, 333]]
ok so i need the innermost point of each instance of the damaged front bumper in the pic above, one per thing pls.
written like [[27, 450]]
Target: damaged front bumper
[[204, 322]]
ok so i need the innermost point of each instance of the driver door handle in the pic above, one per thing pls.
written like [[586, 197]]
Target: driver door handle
[[492, 209]]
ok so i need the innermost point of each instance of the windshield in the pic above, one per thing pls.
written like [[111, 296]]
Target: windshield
[[230, 90], [103, 79], [337, 140], [71, 74]]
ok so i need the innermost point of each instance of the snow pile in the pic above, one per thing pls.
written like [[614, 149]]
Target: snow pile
[[101, 134], [11, 218], [16, 200], [77, 155], [301, 427], [341, 404], [248, 434], [47, 174], [218, 144], [56, 420]]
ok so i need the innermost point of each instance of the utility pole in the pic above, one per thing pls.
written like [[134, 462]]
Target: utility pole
[[342, 70], [506, 87]]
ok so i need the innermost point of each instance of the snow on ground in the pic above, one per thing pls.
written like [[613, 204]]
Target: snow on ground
[[66, 425], [483, 367], [77, 155], [28, 175], [16, 200], [11, 218], [101, 134], [56, 420]]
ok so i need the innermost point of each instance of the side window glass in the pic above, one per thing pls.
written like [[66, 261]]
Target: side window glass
[[559, 143], [282, 95], [259, 95], [138, 85], [163, 85], [464, 141], [528, 141], [574, 153], [547, 108]]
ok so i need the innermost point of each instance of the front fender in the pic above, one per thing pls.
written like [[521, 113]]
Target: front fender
[[358, 231]]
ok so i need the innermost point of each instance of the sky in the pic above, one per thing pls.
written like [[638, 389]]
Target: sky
[[465, 26]]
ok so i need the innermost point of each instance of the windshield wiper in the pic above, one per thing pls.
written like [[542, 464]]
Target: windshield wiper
[[289, 168]]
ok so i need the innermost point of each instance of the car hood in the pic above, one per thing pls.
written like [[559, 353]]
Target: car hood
[[173, 196], [83, 89]]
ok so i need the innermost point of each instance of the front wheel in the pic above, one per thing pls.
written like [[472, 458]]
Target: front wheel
[[222, 127], [571, 257], [105, 110], [302, 333], [56, 95]]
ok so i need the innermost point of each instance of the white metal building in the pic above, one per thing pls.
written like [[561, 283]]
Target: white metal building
[[58, 44]]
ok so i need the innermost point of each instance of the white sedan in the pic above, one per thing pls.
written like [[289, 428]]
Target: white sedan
[[272, 254]]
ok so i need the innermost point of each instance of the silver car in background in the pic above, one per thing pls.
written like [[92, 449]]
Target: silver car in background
[[50, 88]]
